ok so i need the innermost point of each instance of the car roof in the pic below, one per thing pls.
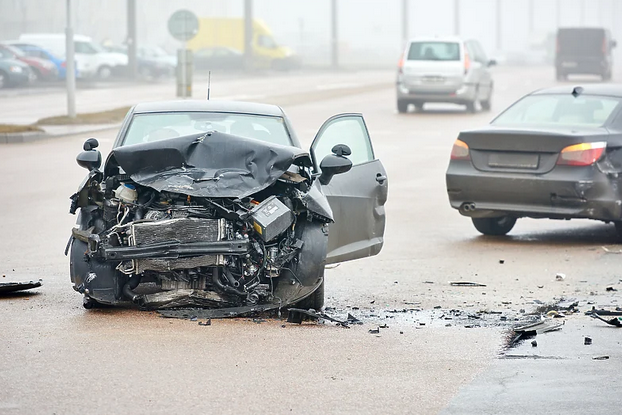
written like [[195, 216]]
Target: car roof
[[210, 106], [437, 39], [611, 90]]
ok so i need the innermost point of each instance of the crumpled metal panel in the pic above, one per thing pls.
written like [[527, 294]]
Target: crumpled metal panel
[[207, 165]]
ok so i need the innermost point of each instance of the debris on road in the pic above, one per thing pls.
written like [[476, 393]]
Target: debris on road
[[611, 288], [615, 321], [604, 357], [560, 277], [534, 343], [587, 341], [528, 331], [374, 331], [206, 323], [295, 316], [610, 251], [215, 313], [466, 284], [603, 312], [14, 286], [502, 261]]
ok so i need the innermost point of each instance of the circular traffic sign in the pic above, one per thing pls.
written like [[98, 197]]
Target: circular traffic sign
[[183, 25]]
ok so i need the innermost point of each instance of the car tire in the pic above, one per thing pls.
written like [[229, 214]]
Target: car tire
[[487, 104], [470, 107], [402, 106], [618, 225], [4, 80], [419, 106], [104, 72], [314, 301], [494, 226]]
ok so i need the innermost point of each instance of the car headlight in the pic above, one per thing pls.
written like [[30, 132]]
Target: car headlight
[[16, 69]]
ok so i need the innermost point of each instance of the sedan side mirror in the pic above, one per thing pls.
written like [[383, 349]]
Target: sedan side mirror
[[335, 163], [90, 158]]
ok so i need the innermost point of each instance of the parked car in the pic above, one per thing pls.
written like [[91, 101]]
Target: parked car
[[91, 60], [218, 58], [42, 53], [40, 69], [12, 71], [215, 204], [584, 50], [556, 153], [152, 61], [446, 69]]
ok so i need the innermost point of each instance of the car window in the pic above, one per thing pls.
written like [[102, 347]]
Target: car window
[[348, 130], [434, 51], [559, 110], [85, 47], [146, 128]]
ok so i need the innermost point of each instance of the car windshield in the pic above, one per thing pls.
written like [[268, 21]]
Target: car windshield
[[434, 51], [146, 128], [559, 111]]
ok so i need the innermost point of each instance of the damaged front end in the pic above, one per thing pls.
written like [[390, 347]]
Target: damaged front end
[[210, 220]]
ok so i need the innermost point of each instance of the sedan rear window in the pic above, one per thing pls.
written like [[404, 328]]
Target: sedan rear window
[[559, 110], [434, 51]]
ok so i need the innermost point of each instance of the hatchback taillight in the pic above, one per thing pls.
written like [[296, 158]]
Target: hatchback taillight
[[467, 62], [460, 151], [584, 154]]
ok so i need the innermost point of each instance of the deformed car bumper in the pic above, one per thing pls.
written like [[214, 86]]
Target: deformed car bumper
[[563, 193]]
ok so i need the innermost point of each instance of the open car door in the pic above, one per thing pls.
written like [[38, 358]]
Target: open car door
[[356, 197]]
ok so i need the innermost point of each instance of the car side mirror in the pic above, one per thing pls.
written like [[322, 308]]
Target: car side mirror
[[335, 163], [492, 62], [90, 158]]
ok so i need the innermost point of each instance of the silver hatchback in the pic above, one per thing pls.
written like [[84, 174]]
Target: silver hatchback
[[447, 70]]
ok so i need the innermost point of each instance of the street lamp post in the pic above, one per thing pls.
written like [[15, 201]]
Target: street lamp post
[[70, 76]]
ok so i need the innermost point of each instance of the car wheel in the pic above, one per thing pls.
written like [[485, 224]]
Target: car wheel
[[104, 72], [494, 226], [487, 104], [314, 301], [4, 80], [402, 106], [618, 225], [419, 106], [470, 107]]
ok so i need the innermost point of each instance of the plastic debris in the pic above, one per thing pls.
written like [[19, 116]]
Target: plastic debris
[[466, 284], [534, 343], [587, 341], [560, 277], [603, 357]]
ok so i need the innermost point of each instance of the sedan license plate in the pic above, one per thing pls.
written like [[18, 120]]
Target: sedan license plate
[[431, 79], [513, 160], [569, 64]]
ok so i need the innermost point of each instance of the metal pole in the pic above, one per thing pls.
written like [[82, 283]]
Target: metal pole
[[248, 34], [499, 25], [334, 35], [131, 39], [70, 65], [532, 16], [457, 17], [405, 30]]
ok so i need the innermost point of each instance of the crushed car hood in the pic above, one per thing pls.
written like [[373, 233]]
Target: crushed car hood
[[210, 164]]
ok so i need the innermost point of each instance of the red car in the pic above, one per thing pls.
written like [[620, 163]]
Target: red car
[[41, 69]]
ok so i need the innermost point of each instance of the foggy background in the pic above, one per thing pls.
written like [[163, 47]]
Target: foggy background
[[370, 31]]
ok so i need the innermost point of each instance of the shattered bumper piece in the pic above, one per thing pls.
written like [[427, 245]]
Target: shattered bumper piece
[[11, 287]]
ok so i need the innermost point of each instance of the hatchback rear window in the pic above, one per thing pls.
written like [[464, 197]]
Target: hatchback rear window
[[559, 110], [434, 51]]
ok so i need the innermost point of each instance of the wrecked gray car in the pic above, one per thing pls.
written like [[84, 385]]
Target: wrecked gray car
[[216, 205]]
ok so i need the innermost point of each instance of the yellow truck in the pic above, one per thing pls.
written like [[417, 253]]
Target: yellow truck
[[229, 33]]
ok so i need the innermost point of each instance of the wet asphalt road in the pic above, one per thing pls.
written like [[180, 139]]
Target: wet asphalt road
[[60, 358]]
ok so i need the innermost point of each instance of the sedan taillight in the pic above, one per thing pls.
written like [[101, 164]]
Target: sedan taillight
[[460, 151], [584, 154]]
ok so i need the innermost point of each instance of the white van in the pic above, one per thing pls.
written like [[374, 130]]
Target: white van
[[91, 60], [446, 69]]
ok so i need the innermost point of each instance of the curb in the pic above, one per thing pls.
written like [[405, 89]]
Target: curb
[[25, 137], [32, 136]]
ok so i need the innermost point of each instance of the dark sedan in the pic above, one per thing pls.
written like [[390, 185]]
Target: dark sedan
[[556, 153]]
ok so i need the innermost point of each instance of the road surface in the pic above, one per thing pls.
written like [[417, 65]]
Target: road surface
[[61, 358]]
